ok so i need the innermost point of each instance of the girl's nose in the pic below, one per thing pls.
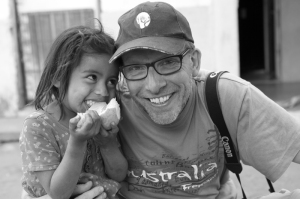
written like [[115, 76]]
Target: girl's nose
[[101, 89]]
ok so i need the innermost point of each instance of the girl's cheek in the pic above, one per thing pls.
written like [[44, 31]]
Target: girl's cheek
[[112, 93]]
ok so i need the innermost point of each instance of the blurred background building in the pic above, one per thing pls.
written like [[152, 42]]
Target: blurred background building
[[258, 40]]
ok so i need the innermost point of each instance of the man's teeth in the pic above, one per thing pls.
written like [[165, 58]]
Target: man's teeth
[[160, 100], [90, 103]]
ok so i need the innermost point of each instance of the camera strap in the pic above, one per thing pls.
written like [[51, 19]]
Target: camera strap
[[232, 161]]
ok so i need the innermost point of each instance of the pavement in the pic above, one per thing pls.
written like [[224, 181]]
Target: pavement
[[10, 127]]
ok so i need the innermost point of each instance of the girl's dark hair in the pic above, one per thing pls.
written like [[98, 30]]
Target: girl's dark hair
[[65, 54]]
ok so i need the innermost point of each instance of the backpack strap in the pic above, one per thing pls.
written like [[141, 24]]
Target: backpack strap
[[212, 100]]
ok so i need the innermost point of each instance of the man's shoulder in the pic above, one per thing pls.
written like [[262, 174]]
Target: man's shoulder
[[226, 78], [231, 88]]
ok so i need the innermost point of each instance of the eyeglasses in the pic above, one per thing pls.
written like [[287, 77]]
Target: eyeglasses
[[165, 66]]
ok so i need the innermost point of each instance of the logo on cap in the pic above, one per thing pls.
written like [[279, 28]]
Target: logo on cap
[[143, 19]]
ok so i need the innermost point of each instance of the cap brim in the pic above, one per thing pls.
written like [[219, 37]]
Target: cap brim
[[166, 45]]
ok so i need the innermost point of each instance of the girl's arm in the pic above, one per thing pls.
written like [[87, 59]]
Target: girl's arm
[[82, 191], [60, 183], [114, 161]]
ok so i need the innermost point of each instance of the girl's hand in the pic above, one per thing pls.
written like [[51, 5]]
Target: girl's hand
[[110, 186], [94, 193], [87, 191], [83, 128], [106, 137]]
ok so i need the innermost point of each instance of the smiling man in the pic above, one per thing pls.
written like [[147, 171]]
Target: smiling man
[[171, 144], [162, 96], [174, 150]]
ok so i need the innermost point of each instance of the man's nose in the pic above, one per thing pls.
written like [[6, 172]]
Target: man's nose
[[154, 81]]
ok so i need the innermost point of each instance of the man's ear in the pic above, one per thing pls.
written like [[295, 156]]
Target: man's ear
[[196, 60]]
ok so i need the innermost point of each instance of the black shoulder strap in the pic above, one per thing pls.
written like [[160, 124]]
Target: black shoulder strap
[[212, 99]]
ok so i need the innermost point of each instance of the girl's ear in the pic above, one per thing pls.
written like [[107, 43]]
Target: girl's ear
[[196, 60]]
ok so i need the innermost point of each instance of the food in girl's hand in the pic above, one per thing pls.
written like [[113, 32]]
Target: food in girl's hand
[[109, 113]]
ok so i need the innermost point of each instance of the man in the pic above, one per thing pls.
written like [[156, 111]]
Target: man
[[171, 144], [172, 147]]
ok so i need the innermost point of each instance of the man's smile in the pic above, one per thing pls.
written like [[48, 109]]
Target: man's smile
[[160, 100]]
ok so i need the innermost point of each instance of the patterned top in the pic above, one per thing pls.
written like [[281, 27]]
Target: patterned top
[[43, 143]]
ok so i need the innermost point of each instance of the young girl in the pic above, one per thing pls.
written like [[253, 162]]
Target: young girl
[[55, 147]]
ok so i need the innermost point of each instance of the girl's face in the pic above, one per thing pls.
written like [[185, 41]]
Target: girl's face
[[93, 80]]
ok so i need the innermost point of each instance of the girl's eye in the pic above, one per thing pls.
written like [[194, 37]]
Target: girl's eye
[[113, 82], [92, 77]]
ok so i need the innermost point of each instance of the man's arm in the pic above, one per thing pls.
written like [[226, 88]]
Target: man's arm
[[62, 181], [114, 161], [283, 194], [267, 135]]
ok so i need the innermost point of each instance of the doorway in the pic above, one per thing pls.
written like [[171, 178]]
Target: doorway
[[39, 30], [256, 39]]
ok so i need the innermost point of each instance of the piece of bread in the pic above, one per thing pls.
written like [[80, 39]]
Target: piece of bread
[[108, 113]]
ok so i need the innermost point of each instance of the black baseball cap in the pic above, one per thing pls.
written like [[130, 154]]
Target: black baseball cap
[[153, 25]]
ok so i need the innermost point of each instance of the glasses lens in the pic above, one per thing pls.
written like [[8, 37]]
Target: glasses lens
[[168, 65], [135, 71]]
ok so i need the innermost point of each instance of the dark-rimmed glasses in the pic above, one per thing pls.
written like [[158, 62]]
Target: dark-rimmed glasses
[[164, 66]]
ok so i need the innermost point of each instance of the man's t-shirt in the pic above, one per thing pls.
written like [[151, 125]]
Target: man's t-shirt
[[185, 159]]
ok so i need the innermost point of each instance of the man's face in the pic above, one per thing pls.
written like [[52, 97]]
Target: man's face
[[162, 96]]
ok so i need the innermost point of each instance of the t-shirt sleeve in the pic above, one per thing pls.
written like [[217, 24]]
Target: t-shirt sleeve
[[39, 149], [266, 135]]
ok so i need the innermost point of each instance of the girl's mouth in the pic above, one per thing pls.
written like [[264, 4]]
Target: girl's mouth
[[90, 103]]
